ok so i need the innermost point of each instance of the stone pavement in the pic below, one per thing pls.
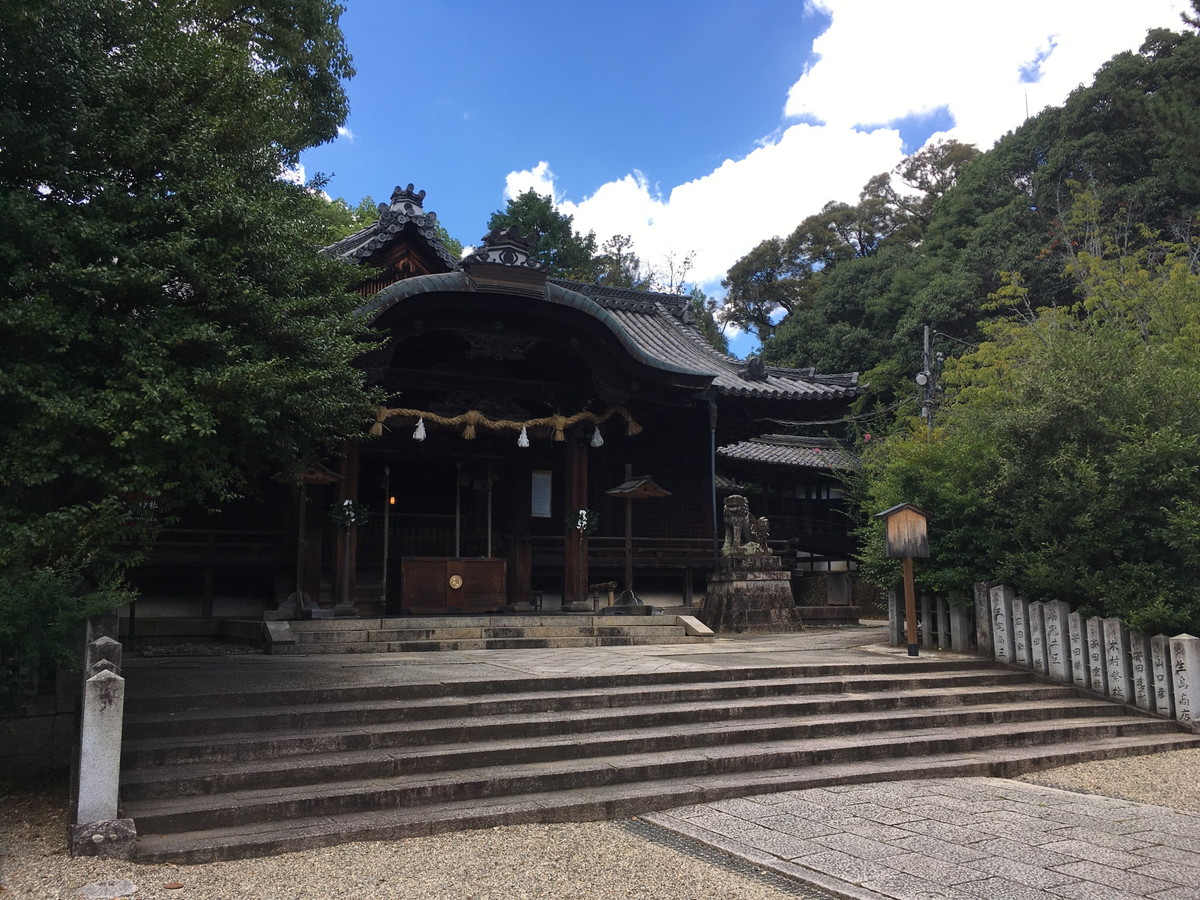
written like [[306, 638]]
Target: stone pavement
[[968, 838]]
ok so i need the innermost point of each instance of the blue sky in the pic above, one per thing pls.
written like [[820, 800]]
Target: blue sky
[[698, 126]]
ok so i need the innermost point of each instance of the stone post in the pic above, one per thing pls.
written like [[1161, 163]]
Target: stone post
[[1095, 642], [943, 618], [983, 619], [1058, 657], [1020, 621], [1160, 661], [1140, 669], [1002, 628], [960, 629], [1037, 637], [1185, 662], [1116, 660], [895, 619], [1081, 673], [97, 831], [928, 623]]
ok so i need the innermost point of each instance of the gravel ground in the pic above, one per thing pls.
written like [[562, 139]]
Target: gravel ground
[[590, 861], [1164, 779]]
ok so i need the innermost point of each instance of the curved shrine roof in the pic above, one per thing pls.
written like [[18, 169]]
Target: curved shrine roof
[[791, 451]]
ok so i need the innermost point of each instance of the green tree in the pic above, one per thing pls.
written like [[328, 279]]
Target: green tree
[[555, 241], [1068, 462], [170, 332]]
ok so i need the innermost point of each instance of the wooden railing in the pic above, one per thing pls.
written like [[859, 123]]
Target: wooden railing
[[607, 554]]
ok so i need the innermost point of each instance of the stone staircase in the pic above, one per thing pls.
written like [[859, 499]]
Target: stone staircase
[[508, 632], [219, 776]]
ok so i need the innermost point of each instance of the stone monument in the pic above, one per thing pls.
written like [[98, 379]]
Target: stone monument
[[750, 591]]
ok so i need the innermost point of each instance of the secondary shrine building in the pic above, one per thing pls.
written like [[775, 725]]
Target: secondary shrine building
[[520, 408]]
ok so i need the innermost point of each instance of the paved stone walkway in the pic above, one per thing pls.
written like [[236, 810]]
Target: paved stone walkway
[[957, 839]]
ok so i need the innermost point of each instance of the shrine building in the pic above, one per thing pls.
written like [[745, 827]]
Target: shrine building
[[540, 436]]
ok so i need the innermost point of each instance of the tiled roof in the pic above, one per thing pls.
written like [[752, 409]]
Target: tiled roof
[[404, 213], [661, 325], [789, 450]]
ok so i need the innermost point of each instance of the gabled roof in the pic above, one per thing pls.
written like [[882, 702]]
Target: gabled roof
[[791, 451], [404, 215], [661, 324]]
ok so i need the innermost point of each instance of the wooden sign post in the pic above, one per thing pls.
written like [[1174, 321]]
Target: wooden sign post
[[907, 537]]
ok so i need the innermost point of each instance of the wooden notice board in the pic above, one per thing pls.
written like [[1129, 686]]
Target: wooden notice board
[[434, 586]]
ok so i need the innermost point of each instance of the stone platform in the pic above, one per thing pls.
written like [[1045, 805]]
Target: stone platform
[[750, 594]]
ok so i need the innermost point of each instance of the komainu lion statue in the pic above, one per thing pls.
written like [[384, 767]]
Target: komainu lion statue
[[737, 525]]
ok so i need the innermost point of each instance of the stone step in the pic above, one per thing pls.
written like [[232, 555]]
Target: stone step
[[223, 746], [354, 713], [391, 785], [462, 746], [154, 702], [202, 844]]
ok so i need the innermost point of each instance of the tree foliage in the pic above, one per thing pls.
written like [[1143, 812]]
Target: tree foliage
[[1068, 462], [567, 253], [170, 332]]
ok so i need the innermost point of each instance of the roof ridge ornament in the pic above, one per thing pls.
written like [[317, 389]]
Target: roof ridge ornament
[[407, 200], [504, 261]]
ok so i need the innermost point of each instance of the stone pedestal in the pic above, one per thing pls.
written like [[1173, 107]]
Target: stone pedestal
[[1160, 664], [750, 594], [1058, 653], [1037, 637], [1081, 673], [1116, 660], [1185, 663], [1139, 667], [1095, 643], [1020, 628], [1002, 628]]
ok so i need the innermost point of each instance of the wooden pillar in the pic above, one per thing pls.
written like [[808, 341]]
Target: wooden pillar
[[575, 568], [347, 490], [520, 542]]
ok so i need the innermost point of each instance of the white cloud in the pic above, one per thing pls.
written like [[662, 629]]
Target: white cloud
[[344, 132], [882, 61], [539, 179], [879, 62]]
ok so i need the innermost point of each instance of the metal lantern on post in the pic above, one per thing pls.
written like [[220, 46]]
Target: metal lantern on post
[[907, 537]]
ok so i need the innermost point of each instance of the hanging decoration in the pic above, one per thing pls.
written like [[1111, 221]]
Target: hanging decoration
[[473, 420], [585, 521], [348, 513]]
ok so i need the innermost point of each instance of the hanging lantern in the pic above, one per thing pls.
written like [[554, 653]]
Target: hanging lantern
[[523, 439], [597, 438], [419, 433]]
